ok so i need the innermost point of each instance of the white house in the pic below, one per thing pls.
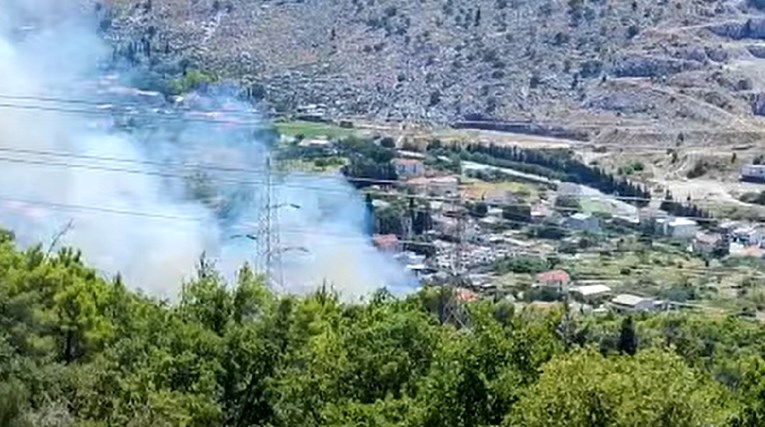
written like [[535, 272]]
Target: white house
[[408, 168], [683, 228], [495, 212], [582, 222], [628, 303], [678, 228], [591, 293]]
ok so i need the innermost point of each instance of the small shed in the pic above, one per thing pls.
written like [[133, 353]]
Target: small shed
[[628, 303], [591, 294]]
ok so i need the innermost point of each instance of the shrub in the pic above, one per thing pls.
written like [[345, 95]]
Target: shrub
[[632, 31], [535, 81], [388, 142], [699, 169], [191, 80], [435, 98], [568, 202], [561, 38], [521, 265], [757, 198], [591, 68]]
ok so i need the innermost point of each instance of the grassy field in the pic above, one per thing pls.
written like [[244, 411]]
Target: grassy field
[[590, 205], [474, 188], [313, 129], [670, 273]]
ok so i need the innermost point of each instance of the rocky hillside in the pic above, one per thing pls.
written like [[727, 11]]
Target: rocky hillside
[[644, 65]]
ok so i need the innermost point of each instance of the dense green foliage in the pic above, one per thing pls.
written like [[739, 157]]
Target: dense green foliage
[[522, 264], [669, 204], [369, 162], [751, 197], [191, 80], [518, 213], [76, 350]]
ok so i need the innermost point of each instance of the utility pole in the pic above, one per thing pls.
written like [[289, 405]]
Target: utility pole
[[566, 324]]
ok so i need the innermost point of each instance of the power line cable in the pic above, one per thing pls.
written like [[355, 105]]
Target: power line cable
[[312, 232], [196, 167], [153, 115]]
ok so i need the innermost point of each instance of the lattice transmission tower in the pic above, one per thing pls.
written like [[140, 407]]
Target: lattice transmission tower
[[453, 308], [269, 248]]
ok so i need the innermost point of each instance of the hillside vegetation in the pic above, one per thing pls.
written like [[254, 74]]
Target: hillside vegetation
[[585, 64], [76, 350]]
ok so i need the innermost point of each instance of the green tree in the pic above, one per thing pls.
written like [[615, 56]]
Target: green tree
[[627, 337], [517, 213], [190, 81], [652, 388], [568, 203]]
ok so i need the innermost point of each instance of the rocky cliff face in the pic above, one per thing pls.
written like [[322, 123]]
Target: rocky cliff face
[[451, 60]]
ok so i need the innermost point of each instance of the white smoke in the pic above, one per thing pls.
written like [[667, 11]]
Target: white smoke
[[134, 216]]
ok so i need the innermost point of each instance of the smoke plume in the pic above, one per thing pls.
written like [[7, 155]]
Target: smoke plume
[[146, 200]]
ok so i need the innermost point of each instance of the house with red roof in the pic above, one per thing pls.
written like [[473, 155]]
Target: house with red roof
[[387, 243], [555, 279]]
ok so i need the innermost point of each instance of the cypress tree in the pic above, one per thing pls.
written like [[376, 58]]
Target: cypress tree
[[627, 337]]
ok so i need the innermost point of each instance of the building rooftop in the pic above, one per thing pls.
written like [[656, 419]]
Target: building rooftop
[[315, 142], [553, 276], [682, 221], [489, 220], [411, 154], [465, 295], [380, 204], [590, 290], [649, 212], [752, 166], [629, 300], [581, 216], [747, 229], [444, 179], [708, 238], [385, 241]]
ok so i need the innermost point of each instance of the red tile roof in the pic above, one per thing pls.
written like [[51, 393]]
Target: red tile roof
[[385, 241], [554, 276], [465, 295]]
